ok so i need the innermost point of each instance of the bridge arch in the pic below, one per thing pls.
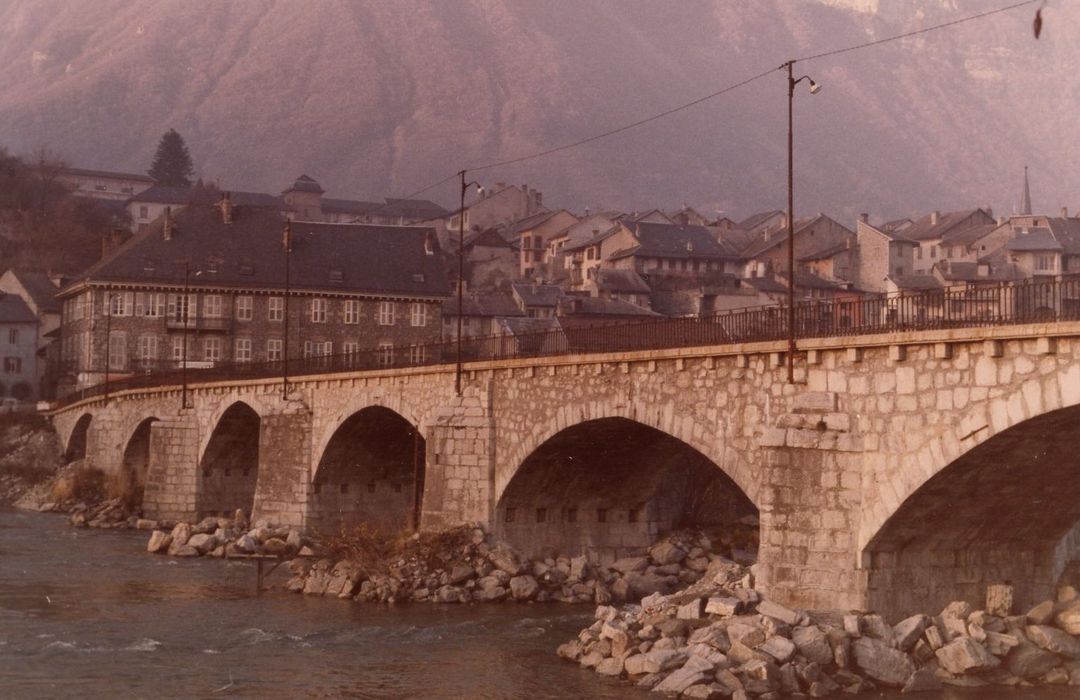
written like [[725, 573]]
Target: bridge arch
[[229, 464], [358, 402], [77, 439], [135, 463], [610, 487], [371, 471], [991, 497]]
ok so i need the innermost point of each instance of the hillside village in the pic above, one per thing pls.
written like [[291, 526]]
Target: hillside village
[[204, 276]]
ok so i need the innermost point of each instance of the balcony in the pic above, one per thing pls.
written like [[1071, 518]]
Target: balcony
[[199, 324]]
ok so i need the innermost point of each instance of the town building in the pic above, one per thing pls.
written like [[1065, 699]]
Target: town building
[[18, 352], [216, 284], [104, 184], [38, 291], [935, 233]]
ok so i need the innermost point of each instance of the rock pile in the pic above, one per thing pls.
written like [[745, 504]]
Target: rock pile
[[473, 568], [224, 537], [718, 638]]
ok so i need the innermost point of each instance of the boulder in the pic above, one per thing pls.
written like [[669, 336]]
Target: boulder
[[725, 607], [524, 587], [999, 599], [203, 542], [275, 546], [680, 680], [246, 544], [451, 594], [144, 524], [881, 662], [654, 661], [627, 565], [666, 553], [294, 541], [851, 626], [813, 644], [610, 667], [960, 609], [1000, 643], [578, 568], [181, 534], [159, 542], [771, 609], [965, 655], [1053, 639], [705, 691], [1029, 661], [571, 651], [922, 681], [184, 550], [645, 584], [876, 627], [909, 630], [1041, 613], [779, 648], [747, 635], [506, 559], [693, 610], [1068, 617]]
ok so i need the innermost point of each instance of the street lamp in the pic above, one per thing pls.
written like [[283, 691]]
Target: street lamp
[[461, 274], [814, 89], [286, 242], [185, 318], [108, 341]]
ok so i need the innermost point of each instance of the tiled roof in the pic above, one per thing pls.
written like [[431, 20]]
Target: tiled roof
[[678, 241], [40, 288], [624, 281], [1037, 239], [162, 194], [1067, 232], [596, 306], [925, 229], [969, 272], [521, 325], [968, 235], [351, 258], [766, 284], [531, 221], [87, 172], [14, 310], [305, 184], [491, 305], [415, 209], [807, 246], [755, 220], [592, 240], [538, 294], [916, 283]]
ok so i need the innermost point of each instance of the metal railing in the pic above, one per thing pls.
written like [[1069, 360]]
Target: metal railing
[[955, 307]]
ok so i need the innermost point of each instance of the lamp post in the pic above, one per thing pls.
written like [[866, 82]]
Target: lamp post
[[814, 88], [461, 275], [185, 318], [108, 341], [286, 242]]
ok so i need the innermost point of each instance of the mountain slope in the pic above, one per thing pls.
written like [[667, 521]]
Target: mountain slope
[[374, 98]]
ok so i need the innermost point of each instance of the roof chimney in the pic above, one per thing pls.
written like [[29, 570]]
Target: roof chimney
[[935, 218], [226, 208], [167, 227], [864, 217], [1064, 212], [429, 243]]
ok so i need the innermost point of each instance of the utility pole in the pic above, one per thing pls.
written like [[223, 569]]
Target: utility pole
[[461, 277], [287, 245]]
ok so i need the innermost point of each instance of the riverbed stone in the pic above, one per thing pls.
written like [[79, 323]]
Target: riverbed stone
[[723, 606], [612, 666], [813, 644], [922, 681], [779, 648], [693, 610], [965, 655], [1041, 613], [909, 630], [506, 559], [451, 594], [771, 609], [881, 662], [181, 533], [159, 542], [203, 542], [275, 546], [184, 550], [1029, 661], [678, 681], [999, 599], [524, 587], [246, 544], [1068, 618], [666, 553], [1000, 643], [1053, 639]]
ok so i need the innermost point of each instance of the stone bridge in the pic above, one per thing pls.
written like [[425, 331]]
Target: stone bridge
[[898, 472]]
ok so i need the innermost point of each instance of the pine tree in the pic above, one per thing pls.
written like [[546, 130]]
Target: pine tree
[[172, 162]]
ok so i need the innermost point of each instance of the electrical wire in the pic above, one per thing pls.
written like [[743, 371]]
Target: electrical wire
[[713, 95]]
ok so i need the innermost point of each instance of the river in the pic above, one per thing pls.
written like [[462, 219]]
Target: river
[[88, 614]]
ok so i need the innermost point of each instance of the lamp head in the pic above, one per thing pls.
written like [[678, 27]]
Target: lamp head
[[480, 190], [815, 88]]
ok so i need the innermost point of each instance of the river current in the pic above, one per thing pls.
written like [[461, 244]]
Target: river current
[[88, 614]]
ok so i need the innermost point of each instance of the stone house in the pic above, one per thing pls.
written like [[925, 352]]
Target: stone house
[[822, 246], [491, 261], [882, 255], [650, 248], [930, 231], [38, 291], [764, 221], [495, 207], [624, 285], [18, 351], [533, 236], [208, 286], [561, 245], [537, 300], [481, 315], [1041, 245]]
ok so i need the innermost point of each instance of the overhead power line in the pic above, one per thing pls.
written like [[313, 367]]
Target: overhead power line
[[717, 93]]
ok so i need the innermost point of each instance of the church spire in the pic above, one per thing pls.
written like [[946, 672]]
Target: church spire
[[1025, 197]]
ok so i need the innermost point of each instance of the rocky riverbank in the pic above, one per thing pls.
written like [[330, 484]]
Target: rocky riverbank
[[719, 638], [29, 455], [224, 537]]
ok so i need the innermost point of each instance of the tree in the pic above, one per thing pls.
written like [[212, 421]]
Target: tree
[[172, 162]]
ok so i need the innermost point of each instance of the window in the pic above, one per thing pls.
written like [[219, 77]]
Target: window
[[212, 306], [178, 348], [386, 354], [419, 314], [211, 349], [144, 212], [181, 308], [417, 354], [12, 365], [117, 350], [243, 350], [386, 313], [245, 307], [276, 309], [350, 347], [318, 310], [1044, 262], [918, 253], [147, 347], [508, 515], [933, 251], [13, 336], [120, 303], [352, 311], [273, 349], [154, 305]]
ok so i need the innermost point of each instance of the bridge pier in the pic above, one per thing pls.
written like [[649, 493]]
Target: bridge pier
[[460, 472], [172, 468], [283, 484]]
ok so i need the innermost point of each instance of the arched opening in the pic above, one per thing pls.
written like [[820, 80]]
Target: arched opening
[[131, 483], [1006, 511], [76, 448], [372, 472], [611, 487], [229, 467]]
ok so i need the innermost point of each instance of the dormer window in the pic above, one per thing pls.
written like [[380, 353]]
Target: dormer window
[[418, 277], [337, 275], [246, 267]]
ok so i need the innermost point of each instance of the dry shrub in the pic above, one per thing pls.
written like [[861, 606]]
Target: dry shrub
[[79, 482], [123, 484], [376, 549]]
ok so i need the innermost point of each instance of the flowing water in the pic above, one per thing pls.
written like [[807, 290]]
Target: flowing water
[[88, 614]]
